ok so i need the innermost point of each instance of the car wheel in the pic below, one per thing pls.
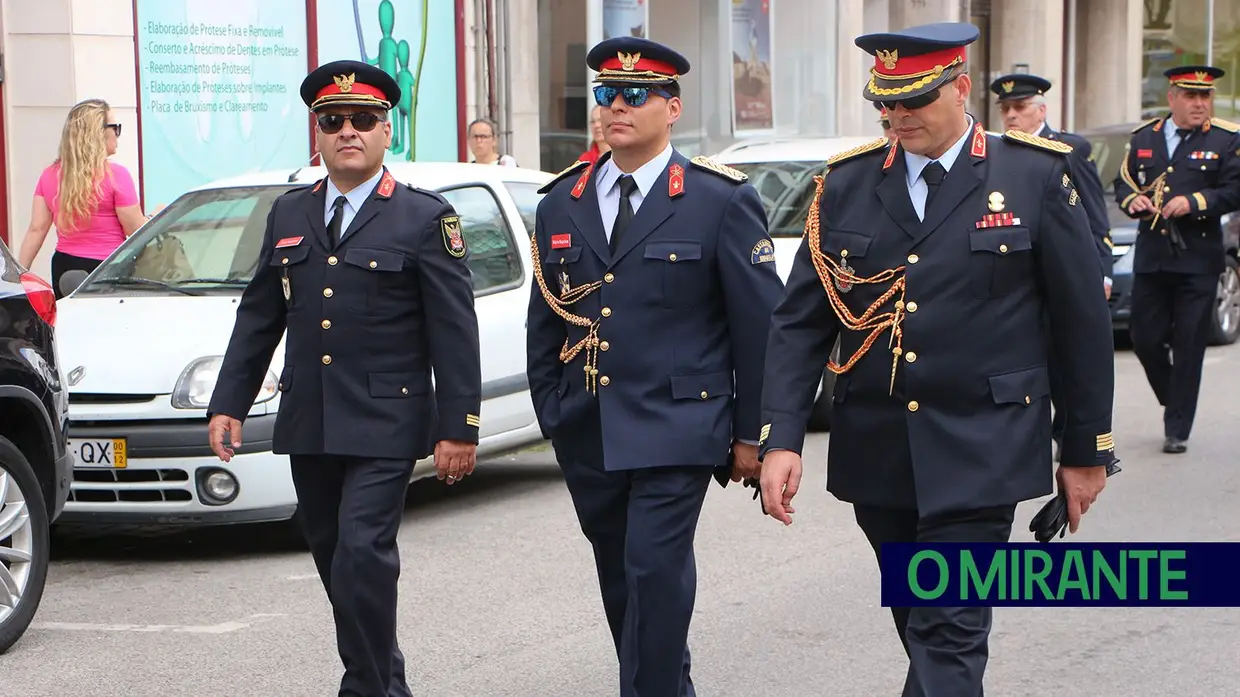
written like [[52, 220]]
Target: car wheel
[[25, 543], [1225, 328]]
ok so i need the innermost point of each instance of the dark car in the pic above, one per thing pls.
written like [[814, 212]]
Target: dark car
[[35, 463], [1109, 144]]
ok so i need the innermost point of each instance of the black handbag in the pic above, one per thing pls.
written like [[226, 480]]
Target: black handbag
[[1052, 519]]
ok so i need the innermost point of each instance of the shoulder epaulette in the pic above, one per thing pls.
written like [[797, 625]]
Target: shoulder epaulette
[[571, 169], [1037, 141], [724, 171], [1147, 123], [1224, 124], [426, 192], [858, 151]]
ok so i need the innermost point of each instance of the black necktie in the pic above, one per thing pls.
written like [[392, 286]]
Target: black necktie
[[627, 186], [933, 174], [1183, 134], [333, 227]]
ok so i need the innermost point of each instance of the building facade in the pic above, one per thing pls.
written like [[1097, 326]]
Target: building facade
[[761, 69]]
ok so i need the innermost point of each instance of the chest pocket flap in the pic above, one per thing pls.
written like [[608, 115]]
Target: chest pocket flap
[[375, 259], [846, 243], [568, 255], [290, 255], [1000, 240], [673, 250]]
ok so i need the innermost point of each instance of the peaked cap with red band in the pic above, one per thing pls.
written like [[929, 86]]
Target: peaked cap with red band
[[915, 61], [349, 83], [632, 60], [1194, 77]]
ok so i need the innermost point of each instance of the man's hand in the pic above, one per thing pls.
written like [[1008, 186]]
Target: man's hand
[[745, 463], [1106, 287], [781, 477], [454, 460], [1080, 486], [1177, 207], [220, 425], [1141, 204]]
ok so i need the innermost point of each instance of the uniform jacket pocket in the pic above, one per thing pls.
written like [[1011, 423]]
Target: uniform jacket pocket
[[1021, 386], [703, 386], [286, 379], [290, 256], [846, 244], [375, 259], [685, 281], [1002, 260], [396, 385]]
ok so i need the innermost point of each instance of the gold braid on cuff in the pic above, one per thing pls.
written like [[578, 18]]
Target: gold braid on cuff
[[836, 274], [558, 304]]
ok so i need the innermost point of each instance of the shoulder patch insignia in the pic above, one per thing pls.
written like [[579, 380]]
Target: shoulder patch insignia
[[1037, 141], [1226, 125], [722, 170], [858, 151], [1147, 123], [453, 240], [763, 252], [571, 169]]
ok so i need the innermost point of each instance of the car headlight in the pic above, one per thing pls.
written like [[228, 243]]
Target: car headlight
[[197, 382]]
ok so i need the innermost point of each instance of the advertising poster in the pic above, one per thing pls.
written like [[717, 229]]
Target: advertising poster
[[217, 90], [414, 41], [753, 109], [625, 18]]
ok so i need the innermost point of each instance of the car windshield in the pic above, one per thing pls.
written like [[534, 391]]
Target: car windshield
[[786, 190], [205, 241]]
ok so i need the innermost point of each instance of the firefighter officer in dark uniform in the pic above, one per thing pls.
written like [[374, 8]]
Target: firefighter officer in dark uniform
[[369, 279], [935, 259], [1022, 102], [655, 283], [1181, 174]]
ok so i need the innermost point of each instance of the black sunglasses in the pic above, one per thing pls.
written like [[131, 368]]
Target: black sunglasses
[[115, 127], [363, 122], [921, 101], [605, 95]]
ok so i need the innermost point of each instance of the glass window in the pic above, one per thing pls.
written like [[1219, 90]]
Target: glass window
[[206, 240], [526, 197], [787, 190], [493, 256], [1175, 33]]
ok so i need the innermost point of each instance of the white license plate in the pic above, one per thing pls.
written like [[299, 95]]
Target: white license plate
[[106, 453]]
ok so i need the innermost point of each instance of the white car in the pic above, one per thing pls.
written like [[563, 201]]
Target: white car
[[142, 338], [783, 171]]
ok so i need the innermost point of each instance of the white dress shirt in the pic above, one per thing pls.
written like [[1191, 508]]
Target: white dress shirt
[[1173, 138], [608, 188], [355, 199], [917, 189]]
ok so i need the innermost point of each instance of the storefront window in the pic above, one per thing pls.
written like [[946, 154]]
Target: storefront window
[[1176, 34]]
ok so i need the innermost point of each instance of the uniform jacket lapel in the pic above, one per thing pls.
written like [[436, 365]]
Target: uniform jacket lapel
[[314, 212], [657, 206], [893, 192], [373, 205], [585, 214], [965, 176]]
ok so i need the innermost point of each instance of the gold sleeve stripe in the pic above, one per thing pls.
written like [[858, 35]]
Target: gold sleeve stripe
[[766, 432], [1127, 200], [472, 420], [1201, 200], [1105, 442]]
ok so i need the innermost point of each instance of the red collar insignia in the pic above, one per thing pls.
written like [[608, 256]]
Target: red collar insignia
[[387, 185], [675, 181], [979, 141], [582, 181], [318, 186], [891, 153]]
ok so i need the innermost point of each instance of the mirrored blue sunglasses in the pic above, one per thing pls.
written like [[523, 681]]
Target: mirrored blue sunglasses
[[605, 95]]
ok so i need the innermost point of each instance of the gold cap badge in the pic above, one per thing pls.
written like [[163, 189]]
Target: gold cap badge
[[345, 82]]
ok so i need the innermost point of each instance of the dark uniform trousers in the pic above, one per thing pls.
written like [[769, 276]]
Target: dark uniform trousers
[[943, 444], [367, 319], [1173, 288], [683, 303], [1093, 198]]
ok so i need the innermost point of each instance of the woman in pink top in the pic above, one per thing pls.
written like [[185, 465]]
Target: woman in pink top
[[92, 202]]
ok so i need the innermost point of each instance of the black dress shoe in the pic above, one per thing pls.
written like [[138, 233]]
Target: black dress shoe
[[1174, 445]]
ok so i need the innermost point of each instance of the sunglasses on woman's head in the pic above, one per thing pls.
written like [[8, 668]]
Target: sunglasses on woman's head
[[605, 95], [363, 121]]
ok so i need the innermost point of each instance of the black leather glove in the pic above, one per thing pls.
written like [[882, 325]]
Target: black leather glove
[[1052, 519]]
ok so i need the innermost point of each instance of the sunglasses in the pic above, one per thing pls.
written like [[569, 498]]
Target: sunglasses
[[605, 95], [115, 127], [363, 122], [921, 101]]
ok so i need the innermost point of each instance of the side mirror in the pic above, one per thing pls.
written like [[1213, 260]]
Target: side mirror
[[70, 280]]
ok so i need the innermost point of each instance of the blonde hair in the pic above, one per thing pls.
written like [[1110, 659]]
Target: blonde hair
[[83, 159]]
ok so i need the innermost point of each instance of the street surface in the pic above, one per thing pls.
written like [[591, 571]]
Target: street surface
[[499, 597]]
